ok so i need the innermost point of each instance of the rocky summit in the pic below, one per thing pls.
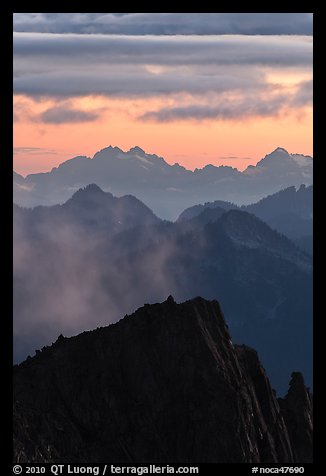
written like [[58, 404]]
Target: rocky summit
[[164, 385]]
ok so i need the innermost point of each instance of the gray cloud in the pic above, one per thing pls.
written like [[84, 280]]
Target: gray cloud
[[226, 109], [64, 114], [76, 65], [218, 50], [304, 95], [223, 109], [166, 23], [139, 84], [212, 70]]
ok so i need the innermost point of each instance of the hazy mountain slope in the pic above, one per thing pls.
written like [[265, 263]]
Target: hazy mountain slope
[[92, 209], [197, 210], [288, 211], [305, 243], [262, 280], [279, 165], [173, 389], [298, 202], [17, 178], [69, 277], [166, 189]]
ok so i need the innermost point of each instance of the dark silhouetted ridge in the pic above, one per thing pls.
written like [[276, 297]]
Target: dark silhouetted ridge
[[163, 385]]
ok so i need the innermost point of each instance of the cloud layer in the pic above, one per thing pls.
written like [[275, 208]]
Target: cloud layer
[[179, 50], [74, 65], [203, 75], [166, 23], [257, 105]]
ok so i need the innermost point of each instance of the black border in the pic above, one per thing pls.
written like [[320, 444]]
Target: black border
[[6, 347]]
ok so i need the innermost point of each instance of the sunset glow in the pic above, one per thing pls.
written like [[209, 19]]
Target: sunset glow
[[192, 99]]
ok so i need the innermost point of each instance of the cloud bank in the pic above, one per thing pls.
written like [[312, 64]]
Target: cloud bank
[[237, 109], [75, 65], [166, 23], [208, 65]]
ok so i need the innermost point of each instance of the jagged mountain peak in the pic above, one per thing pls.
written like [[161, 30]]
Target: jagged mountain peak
[[283, 157], [277, 156], [280, 149], [168, 189], [173, 388], [297, 405], [137, 150], [91, 188], [89, 193], [90, 211], [108, 152], [297, 385], [278, 153]]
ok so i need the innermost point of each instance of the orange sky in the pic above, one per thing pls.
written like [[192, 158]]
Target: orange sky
[[192, 99], [188, 142]]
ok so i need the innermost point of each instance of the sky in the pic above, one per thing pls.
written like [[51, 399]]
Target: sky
[[195, 88]]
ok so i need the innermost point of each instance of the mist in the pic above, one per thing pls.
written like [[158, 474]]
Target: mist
[[91, 261], [66, 281]]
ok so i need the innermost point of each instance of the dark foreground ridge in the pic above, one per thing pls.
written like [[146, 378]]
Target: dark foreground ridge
[[165, 385]]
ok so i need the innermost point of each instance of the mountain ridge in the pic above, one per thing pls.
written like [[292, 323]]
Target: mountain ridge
[[71, 263], [289, 211], [173, 388], [91, 207], [165, 188]]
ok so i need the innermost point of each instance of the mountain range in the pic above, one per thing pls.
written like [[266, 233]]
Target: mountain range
[[91, 209], [166, 189], [174, 388], [288, 211], [87, 262]]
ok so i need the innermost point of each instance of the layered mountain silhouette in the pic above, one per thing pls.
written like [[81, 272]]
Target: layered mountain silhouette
[[166, 189], [95, 258], [288, 211], [91, 209], [164, 385]]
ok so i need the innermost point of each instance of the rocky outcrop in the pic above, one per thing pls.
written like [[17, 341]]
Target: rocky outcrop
[[163, 385], [296, 409]]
